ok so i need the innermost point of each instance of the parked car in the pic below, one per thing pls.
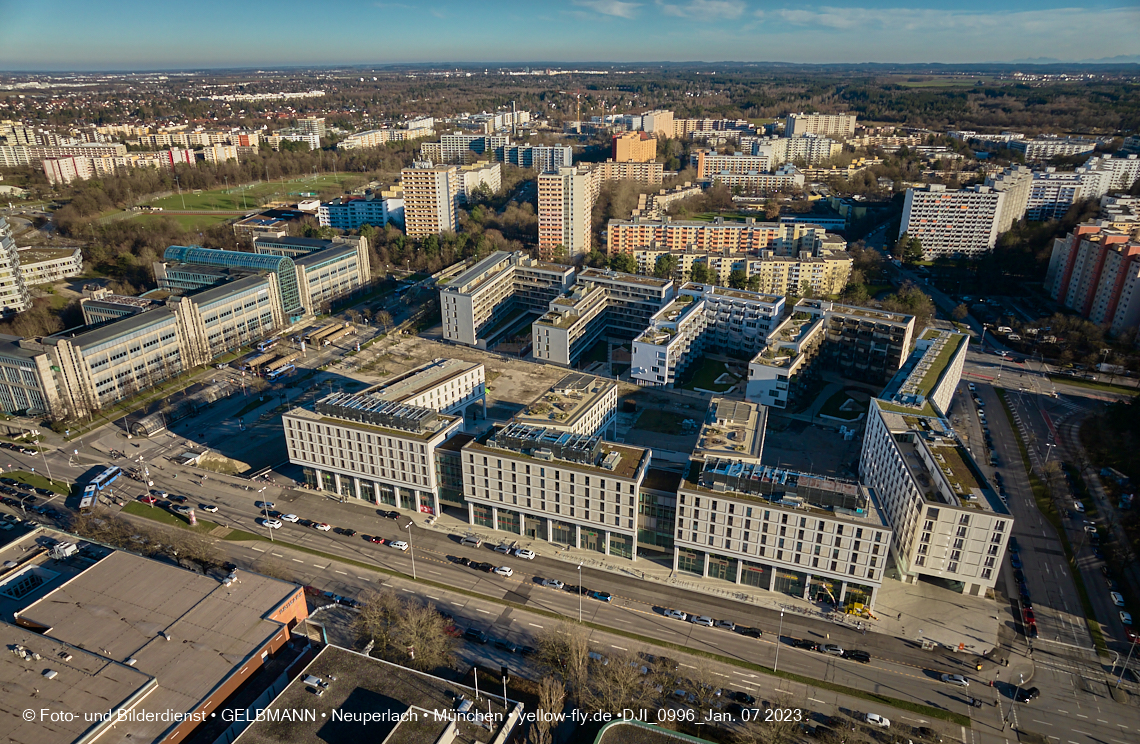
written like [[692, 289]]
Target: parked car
[[504, 571], [1014, 560], [553, 583], [258, 504], [374, 539], [1013, 546], [832, 649], [1028, 615], [390, 514], [524, 554], [726, 624], [475, 635], [504, 549], [805, 644], [1078, 507], [290, 518], [955, 679], [272, 524], [148, 499], [742, 697], [208, 508], [1125, 617], [749, 632], [602, 596], [704, 620], [676, 615], [856, 655], [506, 644], [398, 545], [876, 720], [176, 497]]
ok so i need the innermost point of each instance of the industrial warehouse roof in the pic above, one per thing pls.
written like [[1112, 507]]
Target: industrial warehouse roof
[[189, 631]]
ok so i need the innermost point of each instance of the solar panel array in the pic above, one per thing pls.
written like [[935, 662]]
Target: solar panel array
[[563, 445], [370, 409]]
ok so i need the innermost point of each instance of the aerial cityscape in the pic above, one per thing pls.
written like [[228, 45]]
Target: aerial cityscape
[[531, 376]]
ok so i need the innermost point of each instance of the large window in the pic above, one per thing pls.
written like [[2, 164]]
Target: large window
[[691, 561], [756, 574], [621, 545], [722, 567], [482, 515], [791, 583], [509, 521], [561, 532]]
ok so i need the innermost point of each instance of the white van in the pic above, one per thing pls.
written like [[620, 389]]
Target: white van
[[471, 540]]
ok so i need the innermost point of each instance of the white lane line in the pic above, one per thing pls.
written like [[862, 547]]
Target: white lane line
[[259, 550], [1044, 723], [688, 666], [534, 625], [1080, 716], [483, 611], [1102, 720], [619, 648], [786, 692], [277, 555], [721, 675], [364, 578], [318, 565], [437, 573], [814, 700], [298, 560], [342, 573]]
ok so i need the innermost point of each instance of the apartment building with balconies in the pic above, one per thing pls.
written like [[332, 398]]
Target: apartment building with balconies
[[1095, 271]]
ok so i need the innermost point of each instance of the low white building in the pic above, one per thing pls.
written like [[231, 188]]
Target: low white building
[[45, 265], [450, 386]]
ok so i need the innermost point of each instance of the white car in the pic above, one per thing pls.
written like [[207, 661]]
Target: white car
[[876, 720], [1078, 507], [555, 583], [704, 620], [956, 679], [524, 553], [971, 386], [676, 615], [399, 545], [1117, 598], [209, 508], [322, 526], [1125, 617], [504, 571], [272, 524], [289, 518]]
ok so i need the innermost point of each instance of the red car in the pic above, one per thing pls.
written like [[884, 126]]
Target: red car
[[374, 539], [148, 499], [1132, 637], [1029, 616]]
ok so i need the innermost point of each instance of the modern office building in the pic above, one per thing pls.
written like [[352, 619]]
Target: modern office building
[[297, 247], [330, 275], [353, 212], [431, 199], [565, 201], [553, 485], [495, 293], [365, 448], [577, 404], [860, 343], [639, 147], [602, 305], [449, 386], [953, 223], [1045, 148], [700, 318], [45, 265], [14, 297], [99, 305], [808, 536], [1095, 271], [26, 383], [179, 271], [820, 125], [950, 526]]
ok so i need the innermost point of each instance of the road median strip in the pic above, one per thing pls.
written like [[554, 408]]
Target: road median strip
[[918, 708]]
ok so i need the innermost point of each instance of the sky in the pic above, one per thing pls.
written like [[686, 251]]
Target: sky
[[133, 35]]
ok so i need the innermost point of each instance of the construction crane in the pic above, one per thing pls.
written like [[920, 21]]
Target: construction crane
[[578, 106]]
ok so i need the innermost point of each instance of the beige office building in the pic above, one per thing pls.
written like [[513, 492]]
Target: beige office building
[[634, 146], [431, 200], [839, 126]]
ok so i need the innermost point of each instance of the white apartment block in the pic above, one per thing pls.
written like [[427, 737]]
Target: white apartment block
[[603, 304], [948, 522], [484, 299], [577, 404], [548, 484], [565, 201], [952, 223], [46, 265], [449, 386], [811, 150], [785, 178], [364, 448], [1015, 183], [820, 125], [712, 164], [702, 317], [474, 177], [380, 137], [658, 122], [283, 135], [1052, 147], [542, 158], [219, 153], [739, 521], [431, 200], [718, 236], [14, 297]]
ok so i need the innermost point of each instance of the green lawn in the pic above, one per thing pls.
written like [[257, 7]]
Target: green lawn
[[255, 194], [704, 376], [158, 514], [38, 481], [1093, 385], [662, 422], [187, 221], [831, 407]]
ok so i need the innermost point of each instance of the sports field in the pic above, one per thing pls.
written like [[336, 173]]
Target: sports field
[[188, 221], [251, 196]]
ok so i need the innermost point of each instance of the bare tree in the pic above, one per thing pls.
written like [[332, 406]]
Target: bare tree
[[551, 698], [704, 686], [383, 319], [759, 730], [664, 679], [376, 622], [420, 635], [618, 683], [564, 650]]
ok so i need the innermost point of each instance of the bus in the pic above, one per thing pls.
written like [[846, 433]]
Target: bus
[[273, 374], [92, 490], [266, 345]]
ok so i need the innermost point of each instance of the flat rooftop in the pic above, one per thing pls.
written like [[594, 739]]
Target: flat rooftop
[[566, 402], [402, 702], [606, 275], [733, 429], [626, 467], [441, 421], [35, 255], [421, 379], [471, 279], [911, 386]]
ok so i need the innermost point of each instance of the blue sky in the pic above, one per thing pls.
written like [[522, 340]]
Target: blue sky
[[127, 34]]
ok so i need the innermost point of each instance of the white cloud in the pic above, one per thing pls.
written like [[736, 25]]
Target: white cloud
[[704, 9], [610, 7], [932, 21]]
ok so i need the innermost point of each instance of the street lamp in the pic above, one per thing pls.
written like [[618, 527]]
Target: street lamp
[[412, 549], [1131, 648], [1049, 451], [579, 592], [779, 633]]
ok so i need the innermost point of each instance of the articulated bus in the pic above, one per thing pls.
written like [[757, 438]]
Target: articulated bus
[[273, 374], [92, 490], [267, 344]]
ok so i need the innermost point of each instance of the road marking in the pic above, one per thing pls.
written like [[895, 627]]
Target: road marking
[[483, 611], [534, 625], [786, 692], [277, 555], [437, 573], [814, 700], [298, 560], [1045, 723], [342, 573], [688, 666], [364, 578], [1102, 720], [435, 598], [318, 565], [619, 648], [721, 675], [259, 550], [1080, 716]]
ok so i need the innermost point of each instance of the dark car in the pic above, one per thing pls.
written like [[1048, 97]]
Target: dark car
[[1027, 694], [856, 655], [1017, 574], [9, 481], [1014, 560], [750, 632], [348, 533], [506, 644], [736, 710], [1031, 630], [1106, 570], [43, 491], [474, 634], [742, 697], [1013, 544], [488, 567], [179, 499], [805, 644], [390, 514]]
